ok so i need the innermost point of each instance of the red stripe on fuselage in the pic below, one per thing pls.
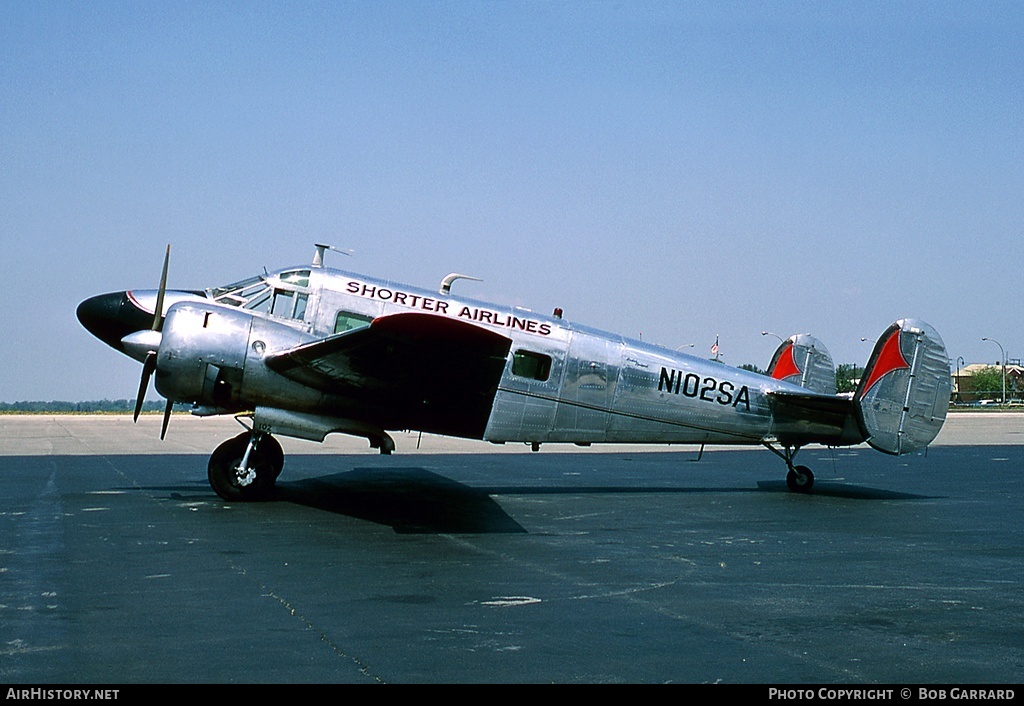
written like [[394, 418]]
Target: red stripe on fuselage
[[136, 303]]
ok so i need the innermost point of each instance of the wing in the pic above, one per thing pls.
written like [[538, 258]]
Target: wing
[[407, 371], [812, 418]]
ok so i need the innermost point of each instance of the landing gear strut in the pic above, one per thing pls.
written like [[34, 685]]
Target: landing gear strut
[[799, 479], [246, 467]]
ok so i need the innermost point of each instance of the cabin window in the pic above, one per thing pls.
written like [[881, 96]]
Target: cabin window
[[527, 364], [348, 321]]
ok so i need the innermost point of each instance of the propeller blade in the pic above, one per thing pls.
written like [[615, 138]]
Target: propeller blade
[[167, 418], [158, 315], [147, 371]]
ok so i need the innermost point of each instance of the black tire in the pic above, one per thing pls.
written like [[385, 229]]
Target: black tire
[[800, 479], [267, 459], [271, 447]]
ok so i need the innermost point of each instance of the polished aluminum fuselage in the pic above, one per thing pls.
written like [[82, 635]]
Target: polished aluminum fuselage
[[600, 387]]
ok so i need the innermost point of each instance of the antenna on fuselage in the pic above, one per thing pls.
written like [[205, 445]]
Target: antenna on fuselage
[[318, 256], [446, 283]]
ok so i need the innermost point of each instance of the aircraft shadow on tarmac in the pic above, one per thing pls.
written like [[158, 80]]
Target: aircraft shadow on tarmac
[[842, 490], [410, 500], [414, 500]]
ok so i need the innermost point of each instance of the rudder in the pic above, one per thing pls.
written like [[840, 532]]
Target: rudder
[[903, 395], [803, 360]]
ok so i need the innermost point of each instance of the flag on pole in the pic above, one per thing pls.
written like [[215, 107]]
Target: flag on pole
[[714, 348]]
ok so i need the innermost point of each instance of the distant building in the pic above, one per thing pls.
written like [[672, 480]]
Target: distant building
[[965, 388]]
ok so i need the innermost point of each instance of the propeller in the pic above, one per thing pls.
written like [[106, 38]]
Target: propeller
[[149, 365], [158, 313], [147, 371]]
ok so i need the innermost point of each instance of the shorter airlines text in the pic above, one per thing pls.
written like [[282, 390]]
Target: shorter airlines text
[[484, 316]]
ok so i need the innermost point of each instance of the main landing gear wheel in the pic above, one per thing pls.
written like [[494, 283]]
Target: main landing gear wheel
[[800, 479], [255, 482]]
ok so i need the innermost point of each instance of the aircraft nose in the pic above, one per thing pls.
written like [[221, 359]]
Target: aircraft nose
[[111, 317]]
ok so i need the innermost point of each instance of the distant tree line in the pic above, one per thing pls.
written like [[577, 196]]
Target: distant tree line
[[89, 407], [847, 375]]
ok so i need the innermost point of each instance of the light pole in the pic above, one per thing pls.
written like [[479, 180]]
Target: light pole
[[959, 360], [1002, 354], [769, 333]]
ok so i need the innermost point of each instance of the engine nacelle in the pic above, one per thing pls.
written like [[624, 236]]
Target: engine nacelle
[[202, 354]]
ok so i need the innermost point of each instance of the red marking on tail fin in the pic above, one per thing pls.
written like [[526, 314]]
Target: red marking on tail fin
[[786, 365], [890, 358]]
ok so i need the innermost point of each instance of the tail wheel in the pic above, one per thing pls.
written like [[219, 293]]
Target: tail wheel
[[231, 482], [800, 479]]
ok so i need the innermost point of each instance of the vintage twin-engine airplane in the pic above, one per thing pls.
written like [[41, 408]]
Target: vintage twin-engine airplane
[[308, 351]]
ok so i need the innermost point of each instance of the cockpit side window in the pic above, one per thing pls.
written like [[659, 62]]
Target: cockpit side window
[[288, 304], [300, 305], [282, 303]]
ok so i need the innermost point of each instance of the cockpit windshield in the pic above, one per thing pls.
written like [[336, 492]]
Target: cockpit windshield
[[259, 294], [253, 293]]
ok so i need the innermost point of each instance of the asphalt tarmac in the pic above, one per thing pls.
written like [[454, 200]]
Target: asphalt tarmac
[[463, 562]]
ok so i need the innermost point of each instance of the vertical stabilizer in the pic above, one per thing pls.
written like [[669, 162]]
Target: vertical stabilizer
[[904, 393], [803, 360]]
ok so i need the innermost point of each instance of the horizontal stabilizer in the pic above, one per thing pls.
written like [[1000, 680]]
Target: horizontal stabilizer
[[903, 395], [807, 417]]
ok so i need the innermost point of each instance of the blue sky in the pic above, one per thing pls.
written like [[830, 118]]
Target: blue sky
[[672, 170]]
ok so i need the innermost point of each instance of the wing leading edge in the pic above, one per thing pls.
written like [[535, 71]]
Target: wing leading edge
[[407, 371]]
